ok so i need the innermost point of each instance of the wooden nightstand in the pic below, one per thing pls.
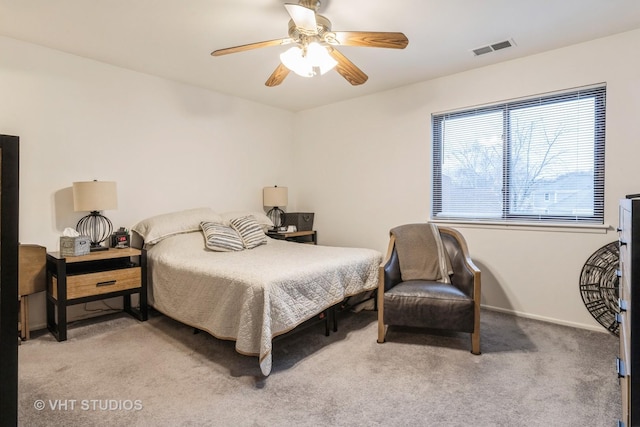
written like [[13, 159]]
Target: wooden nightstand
[[98, 275], [310, 236]]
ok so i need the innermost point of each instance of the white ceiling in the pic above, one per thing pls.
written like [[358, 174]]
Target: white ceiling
[[174, 38]]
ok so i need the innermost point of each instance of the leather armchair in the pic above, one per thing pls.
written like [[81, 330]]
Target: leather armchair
[[430, 304]]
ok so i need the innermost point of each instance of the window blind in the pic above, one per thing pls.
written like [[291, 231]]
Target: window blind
[[539, 159]]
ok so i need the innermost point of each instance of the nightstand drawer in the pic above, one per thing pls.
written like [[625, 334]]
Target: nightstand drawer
[[103, 282]]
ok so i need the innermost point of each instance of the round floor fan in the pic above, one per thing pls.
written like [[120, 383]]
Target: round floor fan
[[599, 285]]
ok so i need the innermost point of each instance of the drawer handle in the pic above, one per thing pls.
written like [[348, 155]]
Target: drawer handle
[[618, 318], [623, 243], [620, 368], [107, 283], [618, 273]]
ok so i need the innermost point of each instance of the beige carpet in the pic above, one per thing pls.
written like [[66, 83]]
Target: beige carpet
[[119, 371]]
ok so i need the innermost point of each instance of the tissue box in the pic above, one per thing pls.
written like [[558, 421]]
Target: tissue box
[[74, 246]]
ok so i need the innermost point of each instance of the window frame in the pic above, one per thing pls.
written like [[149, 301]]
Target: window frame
[[598, 92]]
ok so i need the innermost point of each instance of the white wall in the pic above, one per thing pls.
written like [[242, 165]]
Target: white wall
[[169, 146], [378, 153]]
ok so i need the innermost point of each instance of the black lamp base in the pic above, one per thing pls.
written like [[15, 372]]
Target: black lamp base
[[277, 217], [98, 227]]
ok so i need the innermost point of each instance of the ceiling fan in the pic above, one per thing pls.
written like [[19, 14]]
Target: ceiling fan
[[314, 51]]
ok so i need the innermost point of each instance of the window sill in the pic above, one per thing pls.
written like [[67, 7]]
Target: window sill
[[528, 226]]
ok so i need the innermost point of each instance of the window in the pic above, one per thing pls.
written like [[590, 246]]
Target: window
[[535, 160]]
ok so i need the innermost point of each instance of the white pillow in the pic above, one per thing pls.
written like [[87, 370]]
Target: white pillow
[[250, 231], [221, 238], [159, 227], [260, 217]]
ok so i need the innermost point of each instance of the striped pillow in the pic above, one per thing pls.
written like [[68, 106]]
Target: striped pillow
[[221, 238], [250, 231]]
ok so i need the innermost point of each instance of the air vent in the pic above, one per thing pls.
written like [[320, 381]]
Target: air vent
[[493, 47]]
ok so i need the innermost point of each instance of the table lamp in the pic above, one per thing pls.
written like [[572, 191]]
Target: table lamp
[[275, 197]]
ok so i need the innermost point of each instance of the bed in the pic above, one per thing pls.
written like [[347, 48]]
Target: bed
[[250, 295]]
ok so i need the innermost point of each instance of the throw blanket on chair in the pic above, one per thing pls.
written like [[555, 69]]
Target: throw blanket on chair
[[421, 253]]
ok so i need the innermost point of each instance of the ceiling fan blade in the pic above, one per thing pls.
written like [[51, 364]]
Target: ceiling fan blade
[[304, 18], [277, 76], [371, 39], [347, 69], [244, 47]]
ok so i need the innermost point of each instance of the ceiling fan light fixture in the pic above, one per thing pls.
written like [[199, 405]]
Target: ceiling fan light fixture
[[319, 57], [294, 60], [315, 46], [313, 60]]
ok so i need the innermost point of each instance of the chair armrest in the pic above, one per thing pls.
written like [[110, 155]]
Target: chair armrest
[[389, 270], [466, 275]]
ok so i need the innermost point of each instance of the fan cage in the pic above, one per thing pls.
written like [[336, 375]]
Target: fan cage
[[599, 286]]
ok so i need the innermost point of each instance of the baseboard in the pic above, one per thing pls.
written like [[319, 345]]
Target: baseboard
[[545, 319], [83, 311], [37, 326], [88, 315], [484, 307]]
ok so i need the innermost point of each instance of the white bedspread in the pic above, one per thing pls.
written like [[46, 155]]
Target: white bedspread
[[254, 295]]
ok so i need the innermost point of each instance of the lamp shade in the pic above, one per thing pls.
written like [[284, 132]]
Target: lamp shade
[[94, 196], [275, 196]]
